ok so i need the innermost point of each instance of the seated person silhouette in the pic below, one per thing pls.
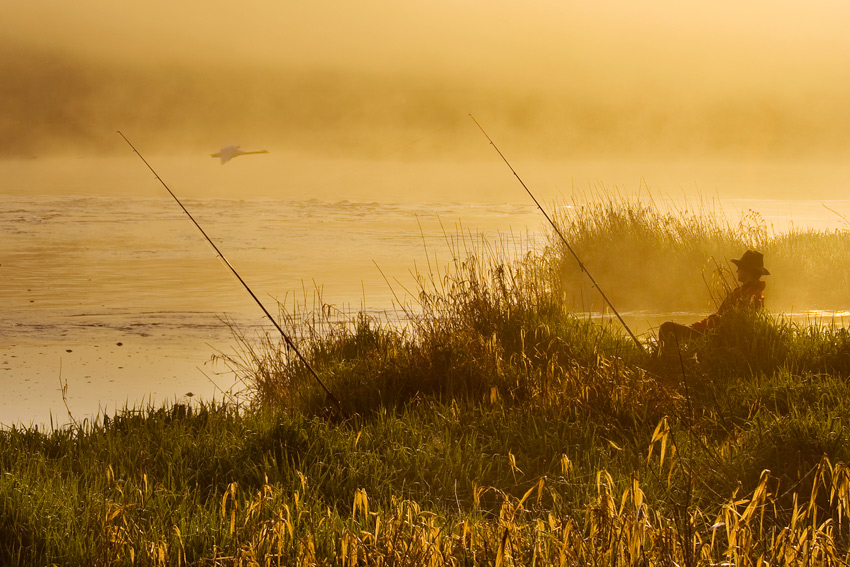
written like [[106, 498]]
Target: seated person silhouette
[[749, 295]]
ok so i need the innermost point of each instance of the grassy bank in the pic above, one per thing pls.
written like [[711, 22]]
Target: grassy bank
[[488, 425]]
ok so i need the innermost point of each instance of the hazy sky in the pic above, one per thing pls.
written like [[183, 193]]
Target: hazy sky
[[660, 75]]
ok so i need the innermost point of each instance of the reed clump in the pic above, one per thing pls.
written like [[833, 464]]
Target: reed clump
[[655, 257], [486, 328]]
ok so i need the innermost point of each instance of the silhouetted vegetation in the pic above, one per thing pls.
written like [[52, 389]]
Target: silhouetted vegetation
[[488, 423]]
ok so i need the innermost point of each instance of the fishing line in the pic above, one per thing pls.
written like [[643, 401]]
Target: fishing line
[[286, 338], [558, 232]]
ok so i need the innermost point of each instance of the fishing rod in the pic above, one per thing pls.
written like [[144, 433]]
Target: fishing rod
[[558, 231], [286, 338]]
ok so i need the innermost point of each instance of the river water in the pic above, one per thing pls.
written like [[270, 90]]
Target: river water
[[109, 289]]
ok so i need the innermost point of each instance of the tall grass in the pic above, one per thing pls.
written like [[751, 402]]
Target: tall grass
[[652, 256], [486, 424], [492, 324], [436, 484]]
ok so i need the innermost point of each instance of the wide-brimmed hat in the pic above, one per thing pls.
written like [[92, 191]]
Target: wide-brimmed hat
[[752, 260]]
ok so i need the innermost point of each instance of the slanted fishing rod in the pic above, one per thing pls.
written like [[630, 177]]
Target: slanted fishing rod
[[286, 338], [558, 231]]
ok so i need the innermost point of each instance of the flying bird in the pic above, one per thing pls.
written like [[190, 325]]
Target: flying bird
[[227, 153]]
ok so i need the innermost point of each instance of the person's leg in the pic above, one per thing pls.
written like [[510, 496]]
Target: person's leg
[[671, 336]]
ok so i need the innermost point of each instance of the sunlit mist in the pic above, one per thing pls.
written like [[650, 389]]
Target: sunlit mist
[[376, 78], [665, 138]]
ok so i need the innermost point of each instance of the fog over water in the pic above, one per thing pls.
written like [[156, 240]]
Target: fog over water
[[108, 286], [761, 80], [364, 109]]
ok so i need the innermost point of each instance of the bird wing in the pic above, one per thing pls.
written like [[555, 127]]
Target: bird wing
[[227, 153]]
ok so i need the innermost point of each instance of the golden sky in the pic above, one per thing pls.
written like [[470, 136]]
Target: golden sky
[[605, 76]]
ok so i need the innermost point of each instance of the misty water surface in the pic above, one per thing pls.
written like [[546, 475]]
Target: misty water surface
[[106, 284]]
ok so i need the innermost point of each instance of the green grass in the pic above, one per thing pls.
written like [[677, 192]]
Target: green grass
[[490, 424]]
